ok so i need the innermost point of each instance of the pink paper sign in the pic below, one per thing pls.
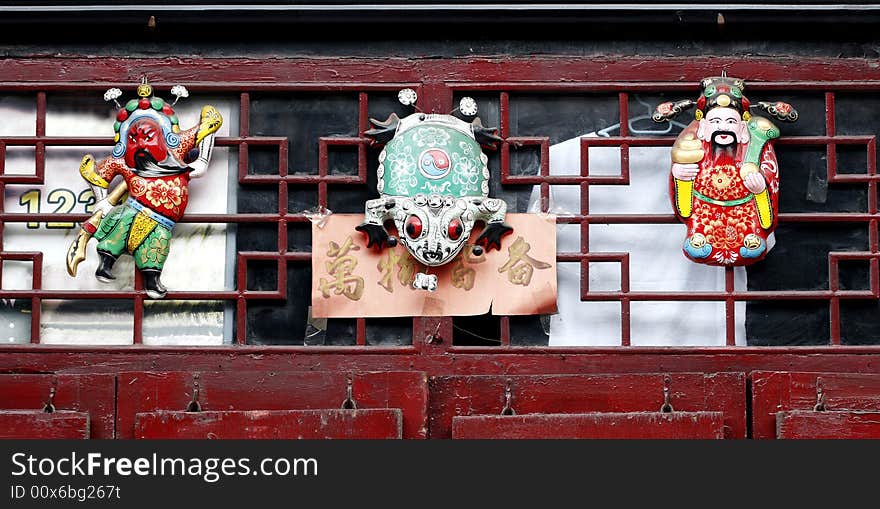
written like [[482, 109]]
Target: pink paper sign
[[351, 281]]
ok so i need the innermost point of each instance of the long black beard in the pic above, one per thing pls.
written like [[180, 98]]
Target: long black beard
[[147, 166]]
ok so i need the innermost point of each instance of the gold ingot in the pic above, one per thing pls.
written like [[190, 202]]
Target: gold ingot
[[144, 90], [746, 116], [687, 149], [684, 156], [698, 115], [690, 144], [723, 100], [747, 169]]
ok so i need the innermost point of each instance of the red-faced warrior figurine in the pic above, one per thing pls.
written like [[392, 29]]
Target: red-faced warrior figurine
[[724, 183], [156, 161]]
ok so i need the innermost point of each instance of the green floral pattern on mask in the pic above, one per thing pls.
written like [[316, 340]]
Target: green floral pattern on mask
[[400, 173]]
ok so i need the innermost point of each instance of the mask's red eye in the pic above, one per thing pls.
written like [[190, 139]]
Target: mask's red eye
[[455, 229], [414, 227]]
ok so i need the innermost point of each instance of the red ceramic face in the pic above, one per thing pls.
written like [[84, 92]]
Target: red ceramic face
[[145, 136]]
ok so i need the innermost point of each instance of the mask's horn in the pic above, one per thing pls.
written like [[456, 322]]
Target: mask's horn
[[484, 135], [383, 132]]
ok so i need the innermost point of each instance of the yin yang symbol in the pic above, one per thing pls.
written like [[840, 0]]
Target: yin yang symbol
[[434, 163]]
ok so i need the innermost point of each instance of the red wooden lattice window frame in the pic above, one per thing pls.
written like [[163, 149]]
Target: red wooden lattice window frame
[[437, 82]]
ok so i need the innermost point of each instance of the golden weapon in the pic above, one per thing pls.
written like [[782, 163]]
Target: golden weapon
[[77, 251]]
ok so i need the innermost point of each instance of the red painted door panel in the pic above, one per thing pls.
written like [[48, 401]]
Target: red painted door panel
[[271, 424], [774, 392], [812, 424], [36, 424], [143, 392], [594, 425], [92, 395], [453, 396]]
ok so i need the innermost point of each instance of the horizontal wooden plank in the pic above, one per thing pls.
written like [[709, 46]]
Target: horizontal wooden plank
[[811, 424], [458, 360], [655, 425], [774, 392], [35, 424], [142, 392], [93, 394], [453, 396], [224, 73], [271, 424]]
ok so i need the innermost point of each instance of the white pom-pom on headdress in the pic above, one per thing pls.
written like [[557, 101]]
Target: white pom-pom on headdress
[[112, 94], [467, 106], [407, 97], [179, 91]]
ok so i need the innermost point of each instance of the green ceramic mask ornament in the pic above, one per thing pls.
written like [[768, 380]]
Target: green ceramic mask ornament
[[433, 182]]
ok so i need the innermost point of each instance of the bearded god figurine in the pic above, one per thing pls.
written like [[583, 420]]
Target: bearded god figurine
[[156, 161], [433, 183], [724, 183]]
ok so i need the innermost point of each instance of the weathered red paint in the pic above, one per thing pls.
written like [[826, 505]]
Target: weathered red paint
[[271, 424], [648, 425], [441, 358], [774, 392], [823, 425], [143, 392], [453, 396], [36, 424], [481, 73], [93, 395]]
